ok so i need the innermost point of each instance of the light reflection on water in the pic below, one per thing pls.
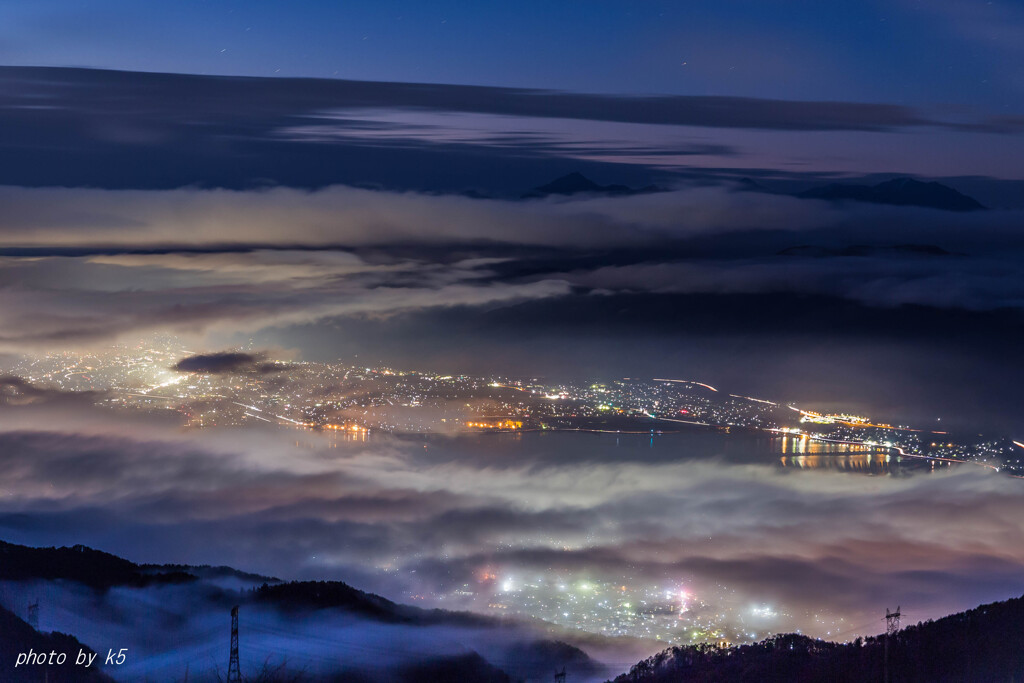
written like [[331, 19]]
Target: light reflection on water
[[808, 454], [572, 447]]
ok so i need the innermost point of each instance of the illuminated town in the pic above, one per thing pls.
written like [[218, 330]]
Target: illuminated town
[[355, 401], [668, 611]]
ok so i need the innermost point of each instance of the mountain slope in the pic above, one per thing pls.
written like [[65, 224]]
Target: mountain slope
[[17, 637], [982, 644], [898, 192], [315, 595], [866, 250], [577, 183], [308, 630], [89, 567]]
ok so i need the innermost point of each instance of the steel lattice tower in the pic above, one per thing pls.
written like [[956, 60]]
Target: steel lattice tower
[[234, 672], [892, 622], [892, 627]]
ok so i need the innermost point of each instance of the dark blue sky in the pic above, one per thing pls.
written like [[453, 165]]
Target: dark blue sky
[[946, 70], [946, 52]]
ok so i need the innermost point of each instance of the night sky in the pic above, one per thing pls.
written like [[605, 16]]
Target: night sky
[[331, 181], [949, 54], [950, 64]]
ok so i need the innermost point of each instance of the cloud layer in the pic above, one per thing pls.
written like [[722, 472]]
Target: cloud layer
[[411, 278], [88, 264], [402, 519], [80, 127]]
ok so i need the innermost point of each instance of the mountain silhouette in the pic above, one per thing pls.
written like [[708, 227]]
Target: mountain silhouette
[[898, 192], [816, 251], [17, 637], [299, 596], [92, 568], [980, 645], [751, 185], [467, 667], [577, 183], [327, 602]]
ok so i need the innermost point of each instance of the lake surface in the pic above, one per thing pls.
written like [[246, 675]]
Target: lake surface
[[737, 447]]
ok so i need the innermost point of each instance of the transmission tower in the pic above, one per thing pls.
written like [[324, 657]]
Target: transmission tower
[[234, 672], [33, 614], [560, 676], [892, 622], [892, 627]]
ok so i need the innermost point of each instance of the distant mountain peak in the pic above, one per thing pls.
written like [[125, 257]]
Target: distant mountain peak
[[576, 176], [903, 191], [577, 183], [751, 185], [570, 184], [817, 251]]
